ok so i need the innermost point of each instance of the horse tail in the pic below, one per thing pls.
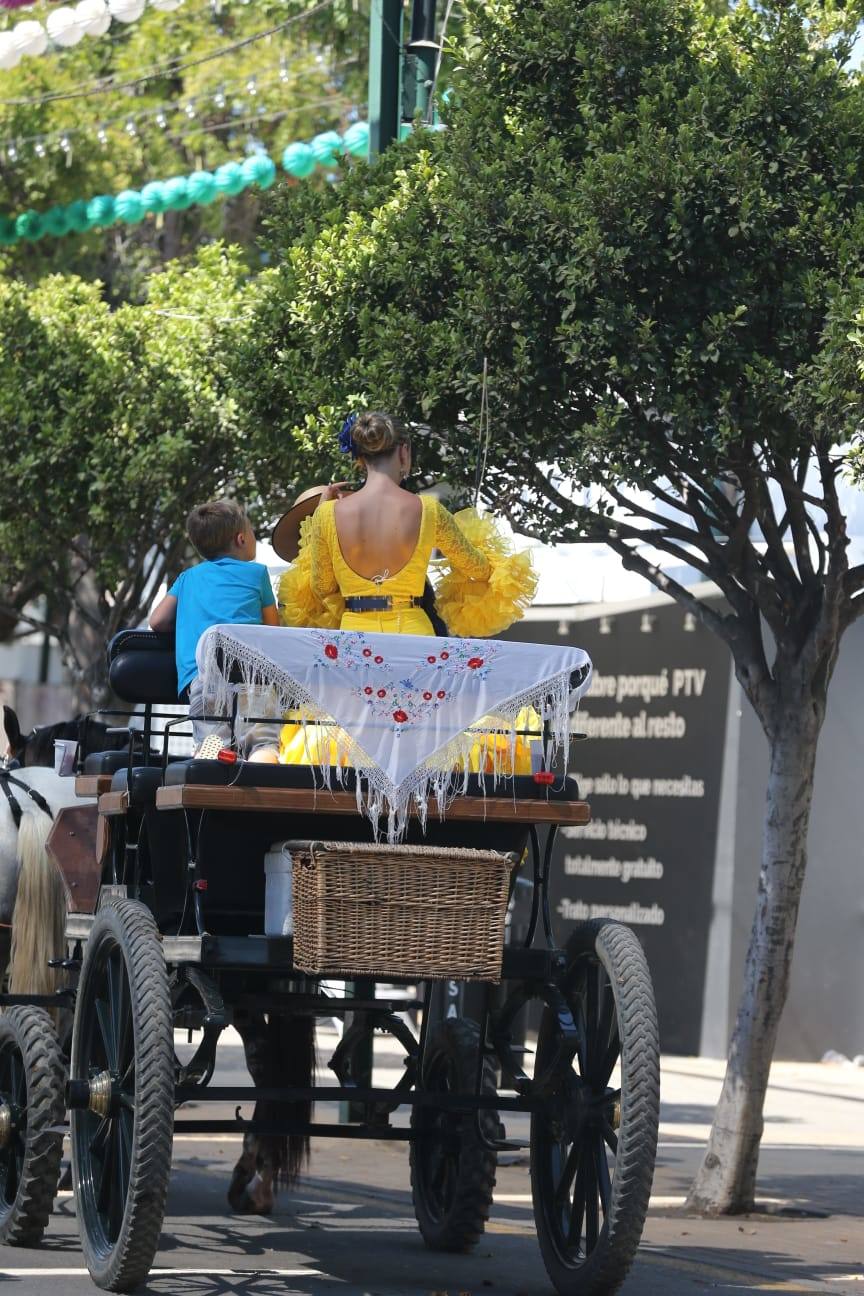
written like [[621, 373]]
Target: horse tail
[[292, 1053], [38, 920]]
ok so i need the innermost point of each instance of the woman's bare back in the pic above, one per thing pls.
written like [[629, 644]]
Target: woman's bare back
[[378, 528]]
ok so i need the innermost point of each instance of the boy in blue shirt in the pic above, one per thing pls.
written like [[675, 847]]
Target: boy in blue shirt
[[228, 586]]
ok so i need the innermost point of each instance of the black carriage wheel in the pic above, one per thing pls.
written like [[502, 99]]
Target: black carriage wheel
[[452, 1173], [122, 1046], [593, 1146], [32, 1076]]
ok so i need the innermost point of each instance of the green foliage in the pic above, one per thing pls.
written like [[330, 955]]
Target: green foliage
[[322, 59], [112, 425], [641, 214]]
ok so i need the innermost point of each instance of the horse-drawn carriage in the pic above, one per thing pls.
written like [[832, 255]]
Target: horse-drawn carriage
[[165, 931]]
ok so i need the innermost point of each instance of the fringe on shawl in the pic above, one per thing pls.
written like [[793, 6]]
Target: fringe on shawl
[[441, 777]]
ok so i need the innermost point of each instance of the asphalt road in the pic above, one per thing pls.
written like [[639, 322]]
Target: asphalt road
[[349, 1228]]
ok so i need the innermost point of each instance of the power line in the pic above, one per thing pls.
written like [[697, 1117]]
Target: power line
[[170, 68]]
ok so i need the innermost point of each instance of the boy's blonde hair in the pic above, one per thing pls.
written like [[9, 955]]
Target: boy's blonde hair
[[212, 527]]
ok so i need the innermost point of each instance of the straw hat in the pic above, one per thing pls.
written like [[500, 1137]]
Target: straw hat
[[286, 533]]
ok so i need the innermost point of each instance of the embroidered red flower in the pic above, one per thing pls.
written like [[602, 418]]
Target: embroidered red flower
[[474, 662], [400, 716], [382, 692], [368, 691], [367, 652], [427, 697], [431, 661], [441, 693], [445, 656], [331, 651], [378, 661]]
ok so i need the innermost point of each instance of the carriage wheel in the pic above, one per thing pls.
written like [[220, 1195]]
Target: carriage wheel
[[452, 1173], [122, 1096], [32, 1076], [594, 1144]]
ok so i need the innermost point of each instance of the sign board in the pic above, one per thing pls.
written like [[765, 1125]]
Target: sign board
[[650, 767]]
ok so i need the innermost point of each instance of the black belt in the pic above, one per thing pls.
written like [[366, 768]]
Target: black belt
[[380, 603]]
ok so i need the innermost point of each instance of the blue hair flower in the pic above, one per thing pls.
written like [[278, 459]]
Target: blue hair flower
[[346, 440]]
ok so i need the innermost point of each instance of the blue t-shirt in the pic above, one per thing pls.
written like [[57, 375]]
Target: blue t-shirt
[[220, 589]]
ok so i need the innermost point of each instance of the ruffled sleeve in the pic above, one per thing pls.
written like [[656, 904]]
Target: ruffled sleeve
[[308, 593], [487, 586]]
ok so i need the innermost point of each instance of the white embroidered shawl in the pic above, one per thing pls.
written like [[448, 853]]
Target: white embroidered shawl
[[400, 708]]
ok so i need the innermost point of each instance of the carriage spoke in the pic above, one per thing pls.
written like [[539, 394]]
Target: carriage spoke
[[577, 1209], [99, 1139], [604, 1182], [571, 1164], [592, 981], [591, 1212], [610, 1138], [124, 1156], [106, 1029]]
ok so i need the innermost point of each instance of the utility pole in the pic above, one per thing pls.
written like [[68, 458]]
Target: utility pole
[[385, 68]]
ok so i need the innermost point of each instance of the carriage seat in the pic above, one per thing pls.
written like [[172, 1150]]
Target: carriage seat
[[141, 667], [142, 787], [214, 773]]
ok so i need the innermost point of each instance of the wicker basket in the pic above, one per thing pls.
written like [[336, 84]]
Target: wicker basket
[[399, 911]]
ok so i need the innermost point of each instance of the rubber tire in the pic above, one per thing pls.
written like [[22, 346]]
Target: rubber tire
[[127, 1263], [31, 1032], [623, 958], [456, 1042]]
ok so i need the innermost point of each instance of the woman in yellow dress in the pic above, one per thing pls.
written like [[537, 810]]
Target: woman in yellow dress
[[364, 559]]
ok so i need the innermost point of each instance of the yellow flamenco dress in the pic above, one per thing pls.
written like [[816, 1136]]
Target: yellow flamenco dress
[[483, 588]]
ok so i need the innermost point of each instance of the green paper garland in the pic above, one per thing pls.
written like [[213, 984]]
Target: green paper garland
[[179, 192]]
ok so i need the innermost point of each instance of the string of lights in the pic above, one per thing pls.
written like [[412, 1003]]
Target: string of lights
[[219, 97], [168, 68], [66, 26], [177, 193]]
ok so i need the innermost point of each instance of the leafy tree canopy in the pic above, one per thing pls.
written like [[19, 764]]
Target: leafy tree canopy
[[114, 424]]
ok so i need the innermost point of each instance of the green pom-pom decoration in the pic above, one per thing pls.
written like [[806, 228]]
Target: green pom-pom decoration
[[202, 187], [298, 160], [56, 222], [230, 179], [8, 232], [30, 225], [260, 170], [129, 207], [177, 196], [325, 147], [77, 219], [153, 197], [101, 210], [356, 139]]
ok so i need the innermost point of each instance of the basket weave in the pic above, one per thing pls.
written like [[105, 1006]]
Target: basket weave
[[399, 911]]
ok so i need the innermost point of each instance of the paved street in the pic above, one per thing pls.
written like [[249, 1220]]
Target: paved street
[[349, 1230]]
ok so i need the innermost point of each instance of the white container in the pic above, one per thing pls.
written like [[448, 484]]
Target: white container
[[65, 751], [278, 904]]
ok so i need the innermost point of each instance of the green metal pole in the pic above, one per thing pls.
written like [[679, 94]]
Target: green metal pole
[[422, 56], [385, 66]]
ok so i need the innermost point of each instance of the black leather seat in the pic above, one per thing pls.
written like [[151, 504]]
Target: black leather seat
[[108, 762], [142, 786], [141, 667], [215, 773]]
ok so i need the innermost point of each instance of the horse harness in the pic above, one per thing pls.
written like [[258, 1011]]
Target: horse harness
[[7, 782]]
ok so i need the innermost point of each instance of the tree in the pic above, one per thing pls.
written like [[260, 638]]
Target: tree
[[649, 220], [165, 95], [112, 426]]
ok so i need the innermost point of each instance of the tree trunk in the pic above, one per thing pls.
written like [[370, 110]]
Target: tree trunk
[[726, 1180]]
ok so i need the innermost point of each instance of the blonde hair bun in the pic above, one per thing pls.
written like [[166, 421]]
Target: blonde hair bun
[[377, 434]]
